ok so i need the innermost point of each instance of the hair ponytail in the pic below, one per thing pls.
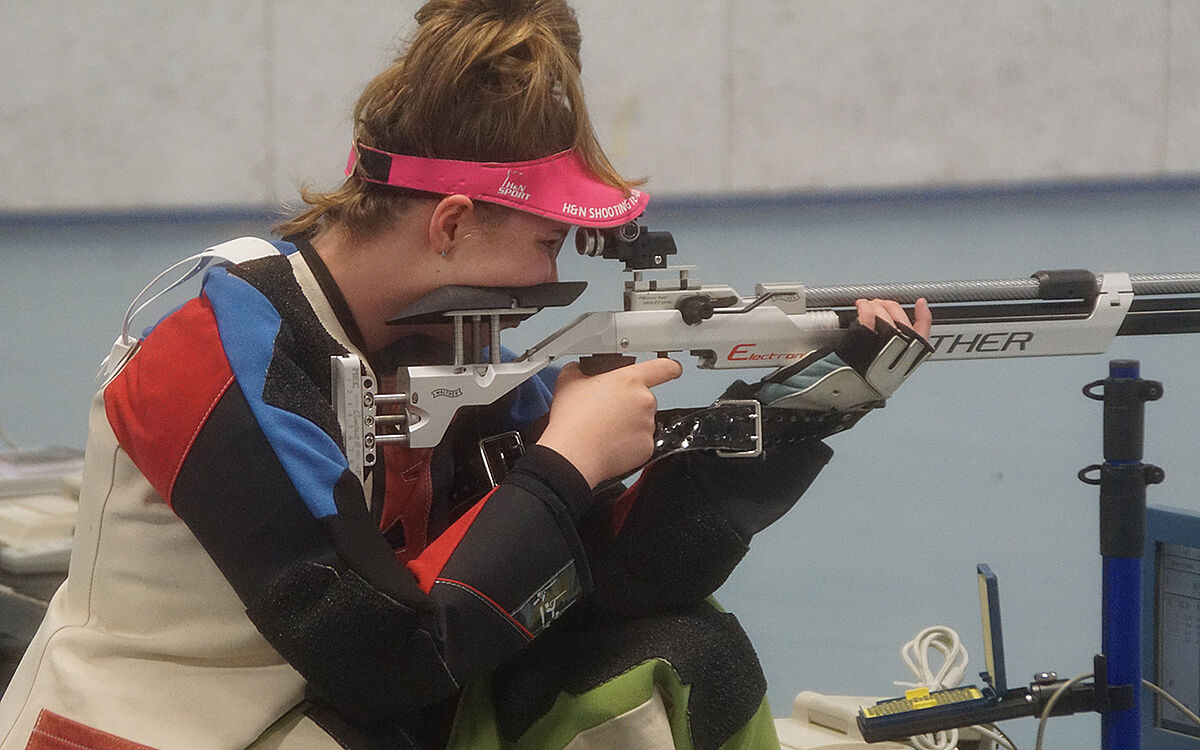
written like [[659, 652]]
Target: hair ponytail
[[480, 80]]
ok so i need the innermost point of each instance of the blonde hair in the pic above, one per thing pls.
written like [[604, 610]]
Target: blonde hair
[[481, 80]]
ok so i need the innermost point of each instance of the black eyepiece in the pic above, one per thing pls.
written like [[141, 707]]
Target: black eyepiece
[[634, 245]]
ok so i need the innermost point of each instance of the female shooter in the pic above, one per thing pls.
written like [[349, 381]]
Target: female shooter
[[234, 583]]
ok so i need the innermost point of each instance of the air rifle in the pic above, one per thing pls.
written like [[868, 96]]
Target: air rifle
[[668, 311]]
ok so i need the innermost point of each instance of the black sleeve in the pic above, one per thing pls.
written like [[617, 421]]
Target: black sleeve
[[373, 638], [674, 537]]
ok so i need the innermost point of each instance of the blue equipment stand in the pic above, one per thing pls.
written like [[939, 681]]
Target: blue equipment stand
[[1117, 671], [1122, 480]]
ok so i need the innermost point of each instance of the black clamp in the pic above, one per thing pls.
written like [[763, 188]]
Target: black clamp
[[1069, 283], [697, 308], [1123, 477]]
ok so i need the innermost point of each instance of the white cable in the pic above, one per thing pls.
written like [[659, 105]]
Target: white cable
[[1173, 701], [1077, 678], [199, 261], [1053, 701], [916, 656], [993, 737], [945, 641], [232, 252]]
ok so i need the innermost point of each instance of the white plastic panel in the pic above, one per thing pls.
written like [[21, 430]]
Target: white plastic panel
[[656, 77], [138, 104], [133, 104], [876, 93], [1183, 88], [325, 53]]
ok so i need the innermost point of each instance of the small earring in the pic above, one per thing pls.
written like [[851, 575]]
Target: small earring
[[444, 253]]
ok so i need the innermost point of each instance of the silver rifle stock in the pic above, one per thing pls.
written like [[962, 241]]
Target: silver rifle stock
[[667, 312]]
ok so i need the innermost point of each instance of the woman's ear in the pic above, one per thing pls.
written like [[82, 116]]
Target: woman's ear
[[448, 222]]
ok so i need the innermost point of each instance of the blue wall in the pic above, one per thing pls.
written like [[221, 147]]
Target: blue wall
[[970, 462]]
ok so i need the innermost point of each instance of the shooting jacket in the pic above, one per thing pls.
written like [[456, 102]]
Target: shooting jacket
[[228, 564]]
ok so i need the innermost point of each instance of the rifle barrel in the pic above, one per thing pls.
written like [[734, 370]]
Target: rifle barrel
[[987, 290]]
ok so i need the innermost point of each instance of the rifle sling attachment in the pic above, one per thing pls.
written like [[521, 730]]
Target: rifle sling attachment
[[743, 428], [730, 428]]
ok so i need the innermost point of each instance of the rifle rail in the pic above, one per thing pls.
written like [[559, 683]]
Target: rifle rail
[[987, 290]]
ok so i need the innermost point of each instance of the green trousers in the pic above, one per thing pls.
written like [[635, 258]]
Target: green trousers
[[686, 680]]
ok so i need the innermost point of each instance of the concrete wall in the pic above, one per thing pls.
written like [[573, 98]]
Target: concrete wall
[[129, 103]]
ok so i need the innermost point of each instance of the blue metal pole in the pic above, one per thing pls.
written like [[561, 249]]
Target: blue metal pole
[[1122, 638], [1123, 480]]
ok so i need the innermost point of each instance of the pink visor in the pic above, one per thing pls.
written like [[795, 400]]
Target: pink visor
[[559, 187]]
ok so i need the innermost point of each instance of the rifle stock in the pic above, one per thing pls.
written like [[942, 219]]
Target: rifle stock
[[1050, 314]]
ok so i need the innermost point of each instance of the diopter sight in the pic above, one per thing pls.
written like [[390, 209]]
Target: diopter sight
[[631, 243]]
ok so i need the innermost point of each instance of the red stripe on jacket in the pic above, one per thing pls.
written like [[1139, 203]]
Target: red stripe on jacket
[[54, 732], [157, 404], [429, 564]]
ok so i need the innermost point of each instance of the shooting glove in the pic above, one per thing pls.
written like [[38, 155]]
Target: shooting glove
[[860, 375], [826, 392]]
